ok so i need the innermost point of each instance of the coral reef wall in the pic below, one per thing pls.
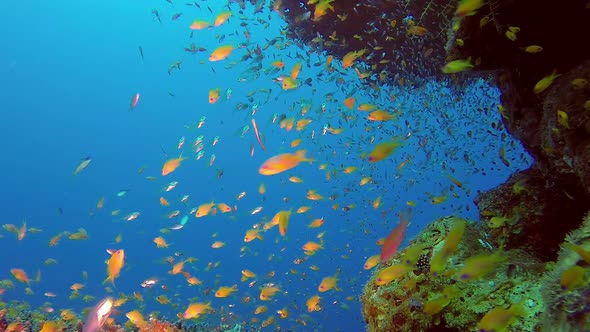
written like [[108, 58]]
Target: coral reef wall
[[419, 300], [538, 52], [567, 305], [403, 38], [559, 142]]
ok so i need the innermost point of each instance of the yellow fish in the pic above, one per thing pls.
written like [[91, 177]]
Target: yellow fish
[[383, 150], [545, 82], [457, 66]]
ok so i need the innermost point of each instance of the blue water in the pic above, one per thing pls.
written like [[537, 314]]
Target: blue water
[[68, 72]]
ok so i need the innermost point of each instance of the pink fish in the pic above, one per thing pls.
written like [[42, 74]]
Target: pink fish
[[257, 134], [134, 101], [98, 316], [394, 240]]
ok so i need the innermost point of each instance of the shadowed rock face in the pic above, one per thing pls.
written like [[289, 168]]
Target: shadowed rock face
[[558, 185], [558, 27], [539, 216], [378, 26], [554, 125]]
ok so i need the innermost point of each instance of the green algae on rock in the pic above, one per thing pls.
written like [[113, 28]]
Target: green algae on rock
[[568, 308], [403, 304]]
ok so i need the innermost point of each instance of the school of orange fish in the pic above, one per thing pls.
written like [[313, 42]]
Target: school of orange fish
[[386, 133]]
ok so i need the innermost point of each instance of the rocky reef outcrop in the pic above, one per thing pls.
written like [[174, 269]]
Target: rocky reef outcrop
[[548, 296], [542, 69], [420, 300], [538, 54], [401, 38]]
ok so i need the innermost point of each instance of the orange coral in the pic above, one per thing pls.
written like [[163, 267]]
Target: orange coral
[[159, 326]]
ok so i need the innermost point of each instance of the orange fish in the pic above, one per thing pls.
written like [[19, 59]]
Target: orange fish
[[289, 83], [351, 56], [366, 107], [221, 53], [217, 244], [204, 209], [66, 315], [221, 18], [22, 231], [282, 218], [114, 265], [416, 31], [160, 242], [171, 165], [199, 25], [383, 150], [260, 309], [252, 234], [49, 326], [262, 189], [194, 281], [224, 208], [321, 8], [329, 63], [313, 303], [316, 223], [283, 162], [349, 102], [247, 274], [195, 310], [328, 283], [267, 292], [287, 123], [225, 291], [137, 319], [164, 202], [279, 64], [20, 275], [138, 296], [312, 195], [177, 268], [371, 262], [301, 124], [391, 273], [100, 203], [55, 240], [295, 71], [380, 115]]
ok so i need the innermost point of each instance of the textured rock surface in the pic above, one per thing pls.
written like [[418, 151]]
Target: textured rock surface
[[540, 205], [379, 27], [541, 211], [399, 305], [559, 150], [568, 309]]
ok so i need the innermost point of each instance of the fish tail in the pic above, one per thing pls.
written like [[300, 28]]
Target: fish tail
[[109, 278], [301, 155]]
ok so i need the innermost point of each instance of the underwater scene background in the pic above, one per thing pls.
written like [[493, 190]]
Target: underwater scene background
[[143, 126]]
